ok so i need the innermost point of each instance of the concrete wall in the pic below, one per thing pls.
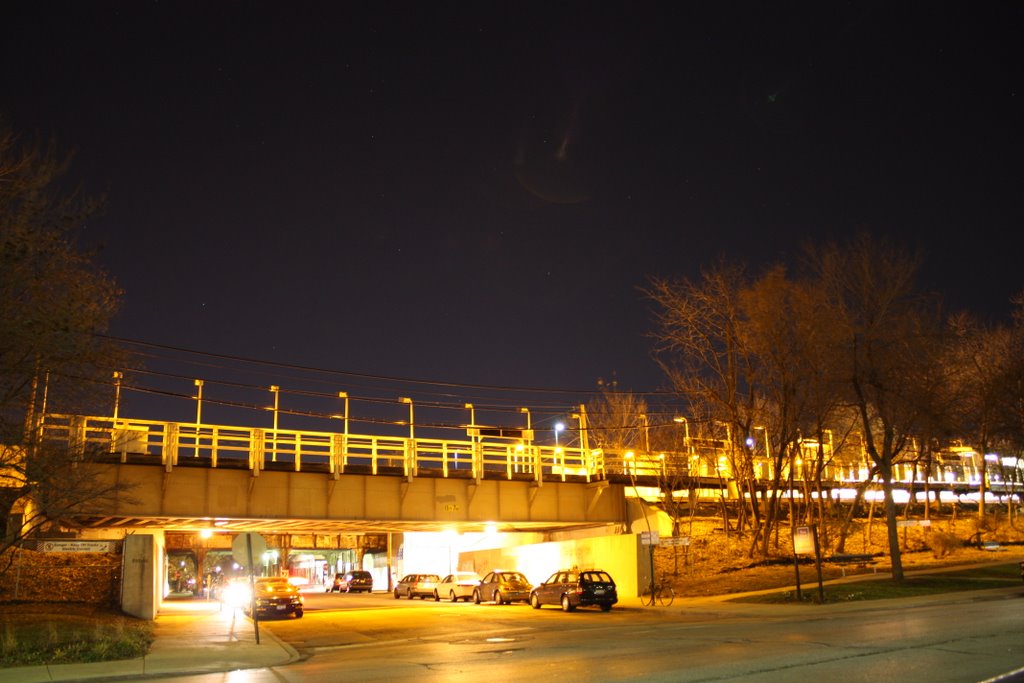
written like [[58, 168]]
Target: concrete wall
[[143, 578], [620, 555]]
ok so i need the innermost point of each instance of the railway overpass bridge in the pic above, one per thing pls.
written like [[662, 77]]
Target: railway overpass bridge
[[182, 476]]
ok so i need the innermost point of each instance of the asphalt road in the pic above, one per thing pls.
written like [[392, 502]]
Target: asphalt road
[[966, 637]]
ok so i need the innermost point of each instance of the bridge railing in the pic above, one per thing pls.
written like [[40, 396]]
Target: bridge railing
[[177, 444]]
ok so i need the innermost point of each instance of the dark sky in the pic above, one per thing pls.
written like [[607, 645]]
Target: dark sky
[[474, 192]]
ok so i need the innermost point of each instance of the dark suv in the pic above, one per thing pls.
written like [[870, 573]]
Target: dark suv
[[352, 582], [576, 588]]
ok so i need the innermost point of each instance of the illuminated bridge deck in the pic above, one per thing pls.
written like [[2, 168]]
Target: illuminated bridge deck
[[175, 444]]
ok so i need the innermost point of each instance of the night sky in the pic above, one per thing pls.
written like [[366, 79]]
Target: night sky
[[475, 192]]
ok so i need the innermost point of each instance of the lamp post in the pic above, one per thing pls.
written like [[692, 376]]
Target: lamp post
[[647, 433], [118, 376], [405, 399], [559, 426], [344, 416], [582, 417], [472, 436], [199, 413], [275, 390]]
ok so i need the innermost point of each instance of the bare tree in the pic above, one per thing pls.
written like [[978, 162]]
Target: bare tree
[[889, 331], [700, 348], [53, 302]]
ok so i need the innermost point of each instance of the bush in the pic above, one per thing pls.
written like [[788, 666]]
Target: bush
[[943, 544]]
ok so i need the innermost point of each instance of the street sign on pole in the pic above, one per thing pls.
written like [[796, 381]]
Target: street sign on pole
[[648, 538], [240, 548], [248, 547]]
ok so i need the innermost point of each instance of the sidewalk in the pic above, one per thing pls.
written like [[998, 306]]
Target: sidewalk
[[191, 636]]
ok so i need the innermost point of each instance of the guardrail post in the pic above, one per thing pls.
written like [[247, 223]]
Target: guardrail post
[[169, 447], [337, 451], [213, 446], [257, 451], [476, 460], [76, 437]]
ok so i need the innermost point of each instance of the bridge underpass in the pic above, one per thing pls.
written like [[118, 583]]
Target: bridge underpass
[[332, 523]]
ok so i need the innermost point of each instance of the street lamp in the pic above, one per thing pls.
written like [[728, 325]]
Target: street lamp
[[405, 399], [559, 426], [679, 419], [275, 390], [344, 440], [199, 412], [118, 376], [647, 432]]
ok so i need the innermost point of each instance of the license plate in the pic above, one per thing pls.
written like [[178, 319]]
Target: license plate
[[599, 591], [282, 607]]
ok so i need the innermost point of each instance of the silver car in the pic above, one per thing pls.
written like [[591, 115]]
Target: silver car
[[502, 587], [416, 586], [457, 586]]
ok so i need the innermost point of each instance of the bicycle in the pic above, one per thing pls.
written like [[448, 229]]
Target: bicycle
[[664, 595]]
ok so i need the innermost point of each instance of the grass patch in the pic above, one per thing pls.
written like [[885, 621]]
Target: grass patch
[[981, 578], [31, 633]]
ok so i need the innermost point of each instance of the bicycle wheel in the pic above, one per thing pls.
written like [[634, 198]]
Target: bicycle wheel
[[666, 596], [647, 598]]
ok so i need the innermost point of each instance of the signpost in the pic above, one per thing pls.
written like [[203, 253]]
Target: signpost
[[650, 539], [805, 542], [249, 546]]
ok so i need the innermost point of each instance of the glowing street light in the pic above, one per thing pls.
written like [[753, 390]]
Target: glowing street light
[[559, 426]]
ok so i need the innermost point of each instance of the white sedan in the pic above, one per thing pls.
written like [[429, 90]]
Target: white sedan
[[457, 586]]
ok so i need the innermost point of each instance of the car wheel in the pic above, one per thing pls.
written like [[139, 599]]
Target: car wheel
[[298, 614], [498, 600], [534, 601], [398, 596], [451, 597], [566, 605], [476, 597], [606, 606], [437, 598]]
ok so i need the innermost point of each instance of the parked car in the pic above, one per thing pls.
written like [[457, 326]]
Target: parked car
[[502, 587], [457, 586], [275, 596], [417, 586], [572, 589], [352, 582]]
